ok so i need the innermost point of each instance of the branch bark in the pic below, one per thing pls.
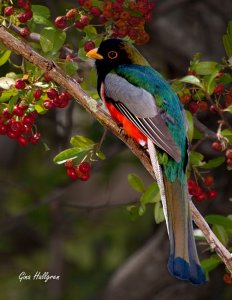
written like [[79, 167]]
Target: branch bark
[[92, 107]]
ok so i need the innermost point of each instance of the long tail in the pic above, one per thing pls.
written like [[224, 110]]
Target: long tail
[[183, 261]]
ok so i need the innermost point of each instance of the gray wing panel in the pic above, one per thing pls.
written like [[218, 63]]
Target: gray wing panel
[[140, 102]]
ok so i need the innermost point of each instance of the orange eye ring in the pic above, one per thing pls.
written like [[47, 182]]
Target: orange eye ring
[[112, 54]]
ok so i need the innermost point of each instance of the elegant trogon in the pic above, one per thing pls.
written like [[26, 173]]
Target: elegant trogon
[[142, 101]]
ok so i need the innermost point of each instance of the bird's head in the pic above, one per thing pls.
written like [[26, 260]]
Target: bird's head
[[113, 53]]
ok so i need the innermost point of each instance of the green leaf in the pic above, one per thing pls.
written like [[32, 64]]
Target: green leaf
[[90, 31], [158, 213], [82, 54], [70, 67], [81, 142], [219, 220], [210, 264], [13, 100], [192, 80], [136, 183], [133, 211], [227, 134], [196, 158], [227, 42], [100, 155], [190, 125], [142, 209], [51, 39], [229, 109], [221, 233], [68, 154], [206, 67], [4, 56], [40, 10], [6, 83], [213, 163], [151, 194], [210, 82], [7, 94]]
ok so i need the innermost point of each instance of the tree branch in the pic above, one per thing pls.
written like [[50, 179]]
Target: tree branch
[[92, 107]]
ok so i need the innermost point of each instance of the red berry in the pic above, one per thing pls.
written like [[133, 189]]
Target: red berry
[[84, 177], [78, 25], [25, 4], [212, 194], [213, 108], [71, 172], [12, 135], [34, 138], [201, 197], [25, 32], [52, 93], [22, 140], [227, 278], [229, 153], [81, 2], [48, 104], [67, 95], [219, 89], [203, 106], [208, 180], [71, 14], [20, 84], [84, 167], [69, 163], [37, 93], [102, 19], [229, 162], [28, 120], [28, 14], [15, 126], [47, 77], [22, 18], [8, 11], [84, 20], [18, 111], [217, 146], [193, 107], [27, 129], [61, 22], [3, 129], [89, 45], [95, 11]]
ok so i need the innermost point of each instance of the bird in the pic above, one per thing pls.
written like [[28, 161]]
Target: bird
[[142, 101]]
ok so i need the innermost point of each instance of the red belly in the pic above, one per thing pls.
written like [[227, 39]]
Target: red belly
[[130, 129]]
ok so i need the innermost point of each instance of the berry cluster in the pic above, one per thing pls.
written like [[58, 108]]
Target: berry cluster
[[198, 192], [123, 18], [23, 13], [196, 102], [18, 125], [80, 171], [18, 121], [56, 99]]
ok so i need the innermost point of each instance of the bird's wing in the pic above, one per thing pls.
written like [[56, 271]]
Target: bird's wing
[[139, 106]]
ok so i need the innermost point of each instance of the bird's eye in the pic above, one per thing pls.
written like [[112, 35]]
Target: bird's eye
[[112, 54]]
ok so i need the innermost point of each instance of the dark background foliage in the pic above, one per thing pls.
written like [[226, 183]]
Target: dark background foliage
[[46, 222]]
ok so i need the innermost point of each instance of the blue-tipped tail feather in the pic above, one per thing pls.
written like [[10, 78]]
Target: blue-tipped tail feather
[[183, 270], [183, 262]]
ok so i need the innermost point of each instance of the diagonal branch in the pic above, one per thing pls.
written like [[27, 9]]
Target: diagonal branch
[[92, 107]]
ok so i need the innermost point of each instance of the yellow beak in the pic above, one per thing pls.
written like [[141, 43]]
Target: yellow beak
[[93, 54]]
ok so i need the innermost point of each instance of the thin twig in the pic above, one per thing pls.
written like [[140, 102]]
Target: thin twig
[[91, 107]]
